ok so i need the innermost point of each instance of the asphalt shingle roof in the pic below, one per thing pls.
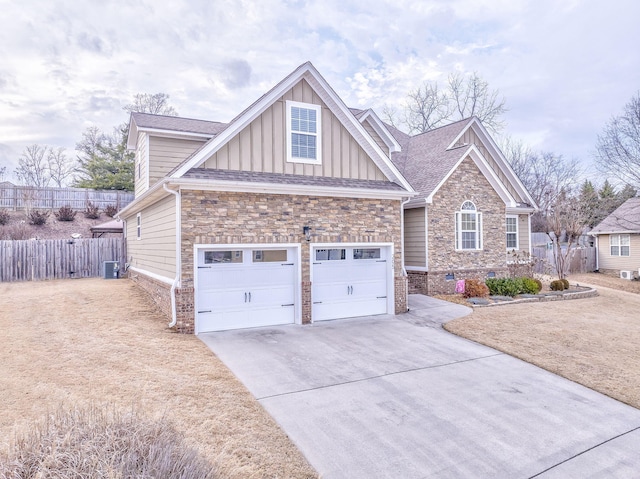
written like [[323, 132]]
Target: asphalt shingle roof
[[625, 218], [281, 178], [175, 123]]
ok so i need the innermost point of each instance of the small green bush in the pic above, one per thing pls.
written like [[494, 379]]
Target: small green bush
[[557, 285], [503, 286], [65, 213], [110, 210], [91, 211], [37, 217], [531, 286], [4, 217], [565, 281], [474, 288], [539, 283]]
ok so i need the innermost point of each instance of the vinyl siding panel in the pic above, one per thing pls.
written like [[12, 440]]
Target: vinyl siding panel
[[415, 253], [631, 262], [156, 250], [376, 137], [167, 153], [141, 165], [524, 236], [261, 146]]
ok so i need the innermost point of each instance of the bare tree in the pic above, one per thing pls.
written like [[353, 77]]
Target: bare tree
[[155, 103], [618, 147], [564, 222], [429, 106], [61, 167], [33, 168], [3, 171]]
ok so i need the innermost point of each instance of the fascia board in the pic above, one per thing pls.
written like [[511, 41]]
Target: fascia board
[[381, 130], [499, 157], [620, 232], [166, 133], [286, 189], [147, 198], [520, 210]]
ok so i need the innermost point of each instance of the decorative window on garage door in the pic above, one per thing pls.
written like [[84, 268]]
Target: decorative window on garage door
[[335, 254], [366, 253], [269, 255], [214, 257]]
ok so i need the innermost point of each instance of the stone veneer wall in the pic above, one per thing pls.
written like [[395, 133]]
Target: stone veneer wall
[[466, 183], [210, 217]]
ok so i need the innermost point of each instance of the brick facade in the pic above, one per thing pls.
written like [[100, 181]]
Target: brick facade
[[467, 182], [211, 217]]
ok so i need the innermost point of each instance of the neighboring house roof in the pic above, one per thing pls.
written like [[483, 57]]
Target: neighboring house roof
[[162, 123], [429, 158], [307, 72], [625, 219], [113, 226]]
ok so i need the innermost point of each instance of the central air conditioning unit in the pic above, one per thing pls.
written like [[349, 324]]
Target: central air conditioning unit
[[111, 270], [626, 274]]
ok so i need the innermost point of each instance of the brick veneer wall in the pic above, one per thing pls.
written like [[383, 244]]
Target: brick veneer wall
[[157, 290], [210, 217], [466, 183]]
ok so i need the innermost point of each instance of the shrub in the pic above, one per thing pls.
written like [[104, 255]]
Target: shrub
[[530, 286], [91, 211], [474, 288], [565, 281], [503, 286], [102, 444], [65, 213], [539, 283], [37, 217], [18, 231], [4, 217], [110, 210], [557, 285]]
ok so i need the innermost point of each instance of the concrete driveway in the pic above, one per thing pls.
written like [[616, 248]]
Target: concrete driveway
[[400, 397]]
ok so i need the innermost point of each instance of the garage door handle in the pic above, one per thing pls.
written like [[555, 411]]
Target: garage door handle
[[249, 297], [205, 311], [245, 297]]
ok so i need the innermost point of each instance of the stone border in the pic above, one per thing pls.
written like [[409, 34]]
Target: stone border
[[544, 297]]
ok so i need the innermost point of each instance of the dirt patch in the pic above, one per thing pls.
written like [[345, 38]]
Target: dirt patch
[[53, 229], [591, 341], [91, 341]]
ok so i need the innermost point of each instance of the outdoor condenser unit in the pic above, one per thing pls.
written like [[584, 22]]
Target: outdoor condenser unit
[[626, 274], [111, 270]]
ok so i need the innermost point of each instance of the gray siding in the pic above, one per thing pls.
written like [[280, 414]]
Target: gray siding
[[141, 165], [524, 235], [261, 146], [167, 153], [415, 253], [631, 262], [156, 250]]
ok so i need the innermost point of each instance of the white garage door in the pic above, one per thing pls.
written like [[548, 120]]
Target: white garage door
[[349, 282], [243, 288]]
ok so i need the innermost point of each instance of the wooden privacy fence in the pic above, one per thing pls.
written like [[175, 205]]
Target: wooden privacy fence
[[24, 197], [32, 260], [583, 260]]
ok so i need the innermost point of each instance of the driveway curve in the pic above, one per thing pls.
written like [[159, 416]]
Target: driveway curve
[[400, 397]]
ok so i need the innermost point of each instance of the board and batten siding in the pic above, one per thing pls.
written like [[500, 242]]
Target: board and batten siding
[[621, 263], [156, 250], [523, 233], [415, 252], [167, 153], [261, 146], [383, 146], [141, 165]]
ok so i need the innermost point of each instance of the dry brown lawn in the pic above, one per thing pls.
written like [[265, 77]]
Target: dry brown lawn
[[591, 341], [97, 342]]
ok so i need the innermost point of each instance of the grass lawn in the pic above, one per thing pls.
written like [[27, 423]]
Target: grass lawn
[[98, 342], [591, 341]]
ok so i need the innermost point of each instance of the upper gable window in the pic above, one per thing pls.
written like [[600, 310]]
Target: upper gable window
[[303, 133]]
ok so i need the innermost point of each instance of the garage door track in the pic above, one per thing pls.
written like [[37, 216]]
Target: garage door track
[[388, 397]]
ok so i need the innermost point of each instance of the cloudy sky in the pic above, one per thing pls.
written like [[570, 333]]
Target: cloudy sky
[[564, 67]]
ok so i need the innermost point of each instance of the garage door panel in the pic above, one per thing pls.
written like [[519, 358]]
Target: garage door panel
[[221, 276]]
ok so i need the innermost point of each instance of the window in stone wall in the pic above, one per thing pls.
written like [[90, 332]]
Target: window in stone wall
[[468, 227], [512, 232]]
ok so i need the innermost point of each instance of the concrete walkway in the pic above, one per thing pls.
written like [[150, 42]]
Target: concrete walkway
[[388, 397]]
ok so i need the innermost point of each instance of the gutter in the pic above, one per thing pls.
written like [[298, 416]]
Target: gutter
[[176, 281]]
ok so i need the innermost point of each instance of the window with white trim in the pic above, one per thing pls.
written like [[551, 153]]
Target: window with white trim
[[303, 133], [468, 227], [139, 226], [619, 245], [512, 232]]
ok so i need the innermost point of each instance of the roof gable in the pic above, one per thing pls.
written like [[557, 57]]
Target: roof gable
[[625, 219], [330, 99], [164, 125]]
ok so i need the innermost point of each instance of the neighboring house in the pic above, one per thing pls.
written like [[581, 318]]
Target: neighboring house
[[471, 214], [290, 213], [618, 241]]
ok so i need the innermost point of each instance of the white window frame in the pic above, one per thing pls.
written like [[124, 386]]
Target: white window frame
[[478, 243], [318, 133], [619, 244], [516, 232], [139, 226]]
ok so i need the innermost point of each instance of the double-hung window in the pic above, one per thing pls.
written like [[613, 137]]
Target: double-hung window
[[512, 232], [303, 133], [619, 245], [468, 227]]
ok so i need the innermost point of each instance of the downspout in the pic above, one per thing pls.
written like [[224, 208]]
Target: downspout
[[404, 271], [176, 281]]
